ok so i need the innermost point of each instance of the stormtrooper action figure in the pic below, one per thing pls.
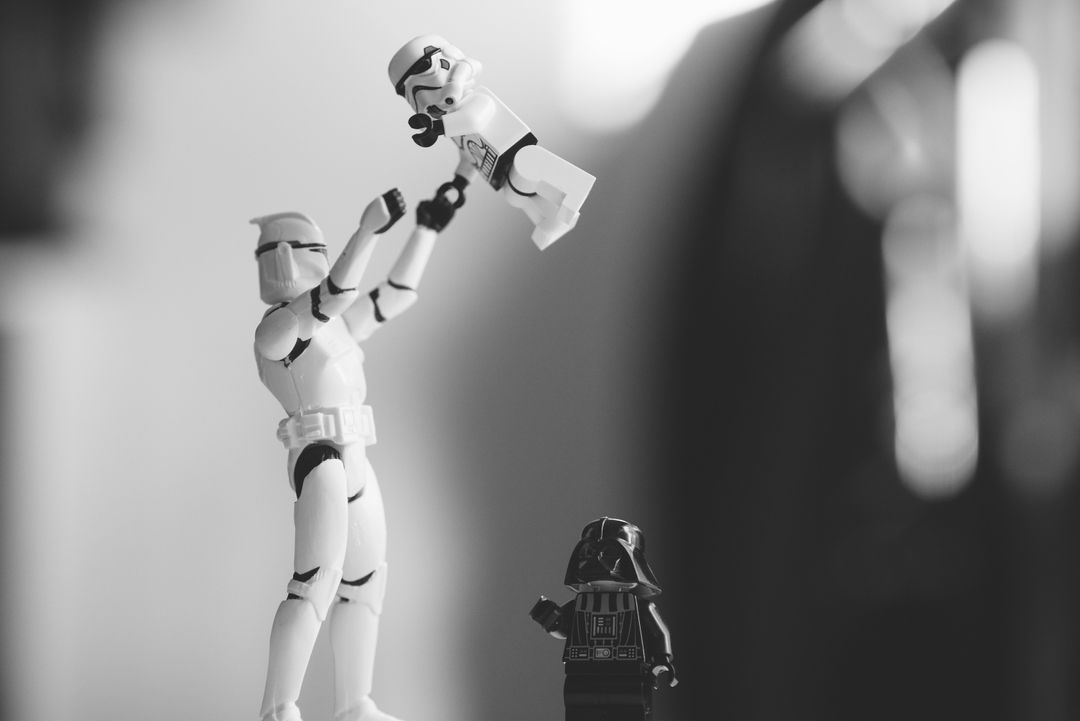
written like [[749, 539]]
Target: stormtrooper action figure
[[438, 82], [307, 352]]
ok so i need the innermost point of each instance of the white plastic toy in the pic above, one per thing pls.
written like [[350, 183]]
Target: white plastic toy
[[438, 82], [307, 352]]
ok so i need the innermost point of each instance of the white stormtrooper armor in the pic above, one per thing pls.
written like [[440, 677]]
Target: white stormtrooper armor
[[438, 82], [307, 353]]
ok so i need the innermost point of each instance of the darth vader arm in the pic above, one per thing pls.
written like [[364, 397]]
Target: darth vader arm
[[657, 640], [553, 618]]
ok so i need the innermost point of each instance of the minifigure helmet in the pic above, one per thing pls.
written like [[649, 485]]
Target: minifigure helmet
[[453, 72], [414, 58], [291, 255], [611, 549]]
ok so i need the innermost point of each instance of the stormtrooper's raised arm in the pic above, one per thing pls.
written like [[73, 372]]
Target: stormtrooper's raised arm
[[296, 316], [377, 218], [398, 292]]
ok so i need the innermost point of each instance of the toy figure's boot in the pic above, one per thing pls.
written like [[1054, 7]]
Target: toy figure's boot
[[549, 230], [354, 631], [364, 710], [293, 636], [544, 215]]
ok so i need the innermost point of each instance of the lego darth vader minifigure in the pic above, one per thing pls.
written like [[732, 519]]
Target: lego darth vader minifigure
[[618, 649]]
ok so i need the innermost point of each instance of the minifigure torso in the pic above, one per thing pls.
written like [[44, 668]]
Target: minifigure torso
[[496, 135], [605, 634]]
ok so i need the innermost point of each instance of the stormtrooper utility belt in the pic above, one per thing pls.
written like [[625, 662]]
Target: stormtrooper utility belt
[[344, 426]]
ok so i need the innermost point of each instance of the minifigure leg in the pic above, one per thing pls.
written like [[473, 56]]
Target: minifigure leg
[[550, 190], [602, 697], [354, 620], [547, 228], [321, 520], [537, 207], [537, 170], [292, 638]]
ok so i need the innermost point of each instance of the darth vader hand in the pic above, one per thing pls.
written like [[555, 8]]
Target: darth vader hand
[[546, 613], [664, 675]]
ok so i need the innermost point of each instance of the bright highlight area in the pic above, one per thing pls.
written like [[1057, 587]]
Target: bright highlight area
[[930, 349], [841, 42], [616, 60], [999, 169]]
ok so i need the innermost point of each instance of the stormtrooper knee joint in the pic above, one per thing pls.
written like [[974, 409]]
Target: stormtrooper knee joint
[[316, 587], [368, 590]]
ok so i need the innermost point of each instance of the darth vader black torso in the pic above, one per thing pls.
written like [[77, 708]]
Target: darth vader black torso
[[605, 630]]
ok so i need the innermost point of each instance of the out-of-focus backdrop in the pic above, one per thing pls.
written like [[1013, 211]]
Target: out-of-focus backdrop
[[816, 333]]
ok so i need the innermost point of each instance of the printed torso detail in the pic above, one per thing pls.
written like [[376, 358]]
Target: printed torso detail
[[606, 627], [492, 151]]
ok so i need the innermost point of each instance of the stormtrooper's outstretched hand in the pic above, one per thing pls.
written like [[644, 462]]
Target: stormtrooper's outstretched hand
[[383, 212]]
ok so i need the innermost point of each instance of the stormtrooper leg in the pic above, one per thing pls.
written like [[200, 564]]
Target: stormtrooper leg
[[547, 228], [354, 620], [536, 174], [535, 206], [321, 518]]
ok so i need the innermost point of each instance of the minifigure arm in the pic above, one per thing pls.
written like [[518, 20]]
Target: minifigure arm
[[472, 116], [398, 292], [553, 618], [657, 644], [465, 172]]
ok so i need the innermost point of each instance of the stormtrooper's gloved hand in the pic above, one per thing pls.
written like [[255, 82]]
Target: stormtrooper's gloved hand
[[430, 130]]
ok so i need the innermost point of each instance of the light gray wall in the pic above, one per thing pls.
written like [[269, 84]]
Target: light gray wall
[[149, 511]]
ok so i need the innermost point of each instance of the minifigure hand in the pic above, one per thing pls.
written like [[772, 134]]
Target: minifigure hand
[[460, 182], [443, 193], [546, 613], [430, 130], [436, 213], [664, 674], [383, 212]]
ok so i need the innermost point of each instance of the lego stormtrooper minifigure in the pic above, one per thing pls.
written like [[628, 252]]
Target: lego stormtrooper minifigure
[[618, 649], [307, 352], [438, 82]]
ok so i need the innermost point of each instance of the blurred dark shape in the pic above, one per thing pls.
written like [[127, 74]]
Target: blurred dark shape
[[46, 86], [821, 587]]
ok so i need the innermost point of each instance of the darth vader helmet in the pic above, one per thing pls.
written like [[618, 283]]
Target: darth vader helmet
[[611, 550]]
